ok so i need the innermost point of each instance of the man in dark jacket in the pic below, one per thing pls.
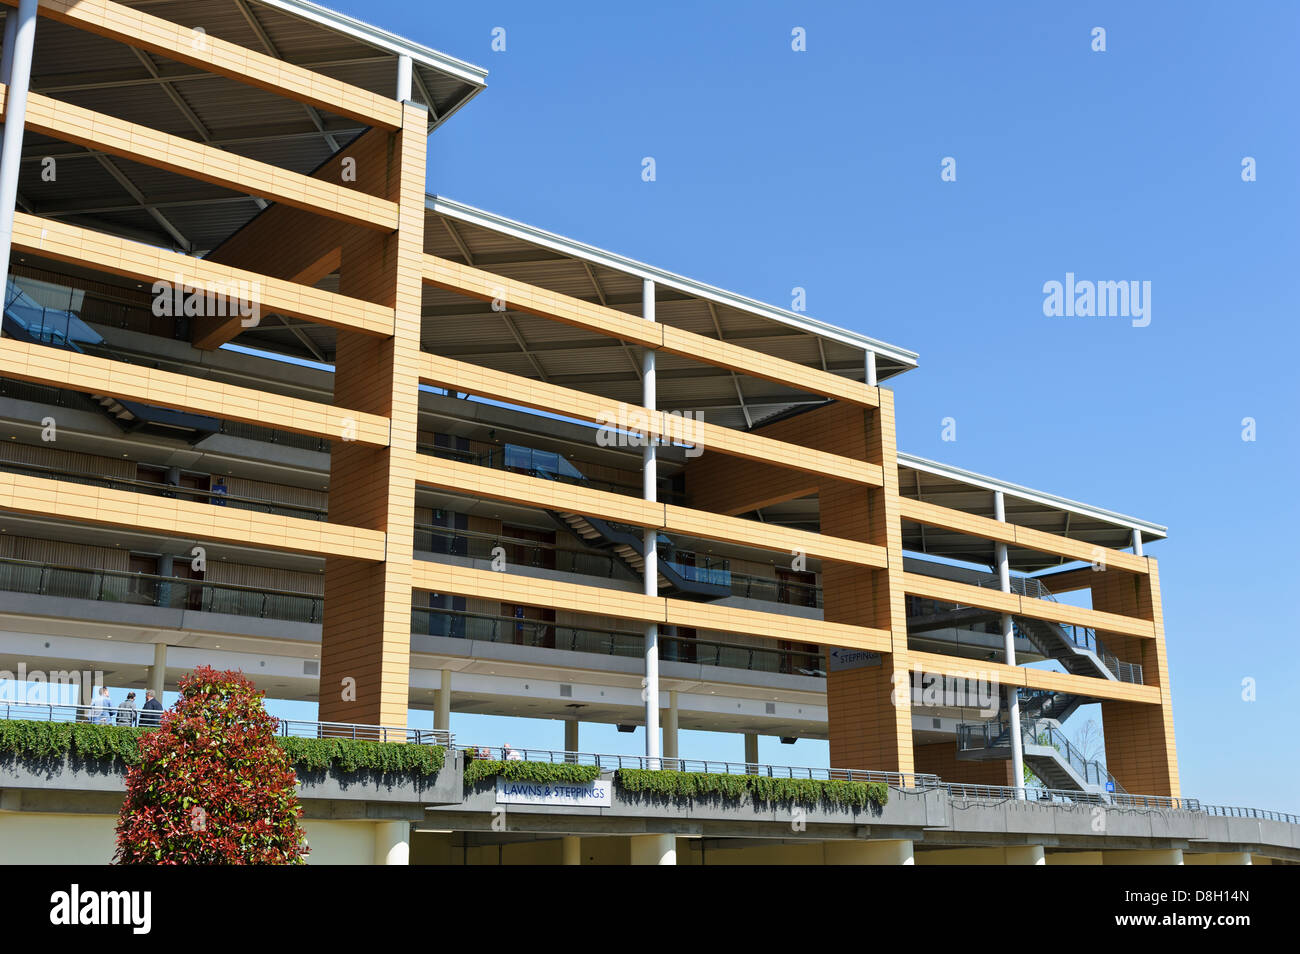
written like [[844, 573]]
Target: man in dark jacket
[[151, 714]]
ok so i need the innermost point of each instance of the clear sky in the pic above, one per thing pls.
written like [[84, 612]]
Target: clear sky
[[821, 169]]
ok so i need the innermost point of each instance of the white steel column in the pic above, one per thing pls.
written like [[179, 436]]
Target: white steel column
[[870, 357], [18, 75], [650, 547], [442, 703], [404, 68], [1137, 542], [1009, 647], [670, 727]]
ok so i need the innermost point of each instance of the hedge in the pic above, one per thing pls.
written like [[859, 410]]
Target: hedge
[[89, 741], [762, 788], [478, 770]]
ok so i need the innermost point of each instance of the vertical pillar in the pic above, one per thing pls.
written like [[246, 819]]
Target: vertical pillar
[[1137, 543], [393, 843], [751, 751], [442, 703], [571, 850], [1009, 653], [404, 69], [166, 568], [869, 708], [1140, 749], [653, 850], [870, 358], [366, 633], [1171, 856], [1026, 855], [158, 671], [670, 727], [17, 63], [650, 491], [571, 735], [897, 852]]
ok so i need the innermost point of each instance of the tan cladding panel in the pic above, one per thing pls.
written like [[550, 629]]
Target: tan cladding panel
[[94, 375], [186, 44], [967, 595], [599, 601], [182, 518], [567, 498], [118, 137], [103, 252], [501, 386], [533, 300], [932, 515], [1034, 678]]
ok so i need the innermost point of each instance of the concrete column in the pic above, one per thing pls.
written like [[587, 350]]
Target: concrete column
[[650, 490], [166, 567], [571, 735], [1026, 855], [158, 671], [751, 751], [1009, 651], [653, 849], [670, 727], [868, 852], [17, 62], [571, 850], [1137, 543], [442, 703], [404, 70], [870, 357], [393, 843], [1171, 856]]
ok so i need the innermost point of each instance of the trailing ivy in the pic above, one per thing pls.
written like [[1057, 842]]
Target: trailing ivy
[[359, 755], [101, 742], [762, 788], [81, 739], [479, 770]]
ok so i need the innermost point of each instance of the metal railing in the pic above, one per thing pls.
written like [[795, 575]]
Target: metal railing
[[430, 538], [978, 736], [153, 488], [145, 589], [296, 728], [504, 753], [1055, 796], [1259, 814], [432, 621]]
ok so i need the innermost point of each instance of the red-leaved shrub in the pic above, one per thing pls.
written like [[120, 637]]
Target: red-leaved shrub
[[212, 786]]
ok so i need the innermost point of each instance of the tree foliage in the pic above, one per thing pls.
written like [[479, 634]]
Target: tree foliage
[[211, 785]]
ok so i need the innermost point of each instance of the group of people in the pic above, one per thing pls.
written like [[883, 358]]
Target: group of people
[[103, 712]]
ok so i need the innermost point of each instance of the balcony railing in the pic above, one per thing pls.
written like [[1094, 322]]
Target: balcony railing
[[609, 642], [145, 589]]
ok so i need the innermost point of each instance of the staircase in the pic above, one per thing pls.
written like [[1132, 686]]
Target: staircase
[[28, 320], [1048, 753], [628, 544]]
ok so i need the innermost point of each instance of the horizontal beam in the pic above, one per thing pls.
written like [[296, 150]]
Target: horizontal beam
[[191, 46], [965, 594], [539, 395], [91, 374], [103, 252], [188, 520], [933, 515], [1034, 678], [491, 484], [196, 160], [534, 300], [599, 601]]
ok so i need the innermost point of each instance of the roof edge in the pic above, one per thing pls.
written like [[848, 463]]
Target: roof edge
[[490, 220], [1153, 531], [468, 72]]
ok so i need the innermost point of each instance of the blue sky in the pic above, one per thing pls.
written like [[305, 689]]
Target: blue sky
[[821, 169]]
